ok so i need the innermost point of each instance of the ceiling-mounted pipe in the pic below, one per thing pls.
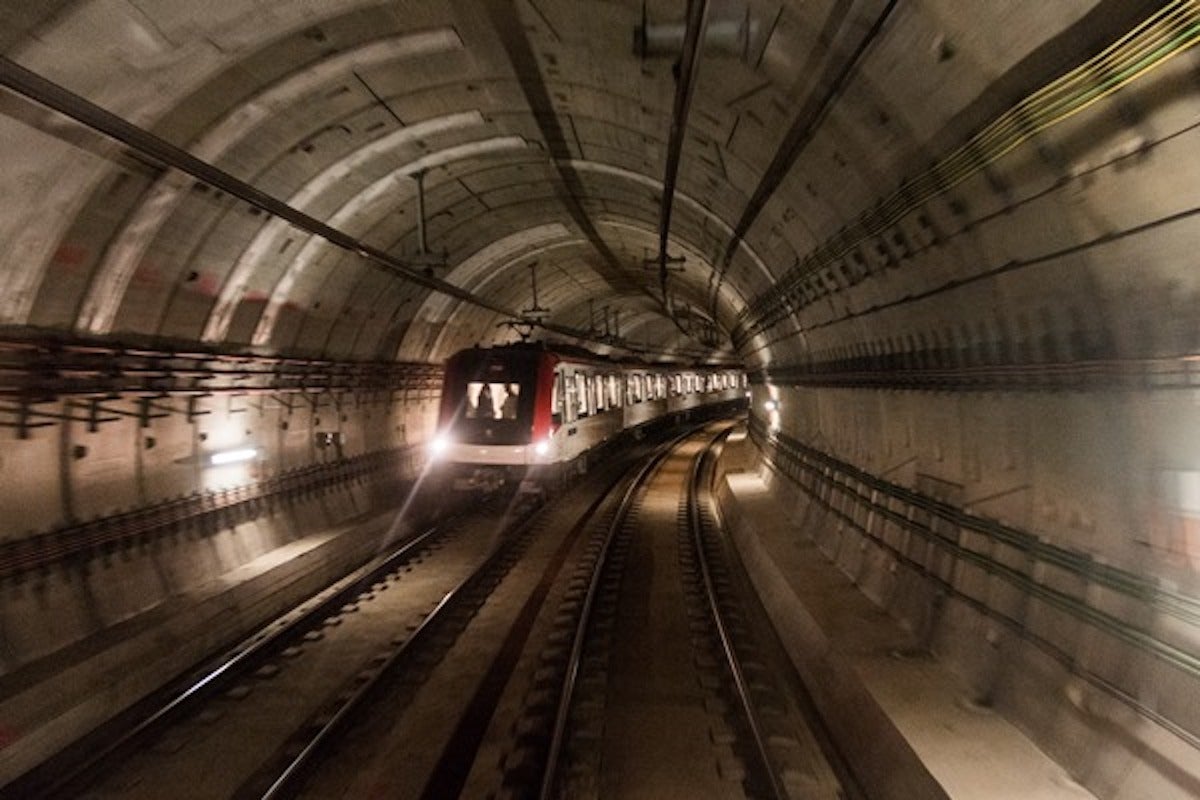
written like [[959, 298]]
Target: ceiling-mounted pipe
[[422, 243], [55, 97], [689, 63]]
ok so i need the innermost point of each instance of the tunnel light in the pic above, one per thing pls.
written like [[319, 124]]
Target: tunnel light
[[232, 456], [439, 446], [771, 405]]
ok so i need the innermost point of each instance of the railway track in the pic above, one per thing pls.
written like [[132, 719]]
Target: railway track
[[275, 682], [633, 668], [667, 691], [598, 647]]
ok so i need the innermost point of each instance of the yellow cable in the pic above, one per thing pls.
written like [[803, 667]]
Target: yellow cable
[[1170, 31]]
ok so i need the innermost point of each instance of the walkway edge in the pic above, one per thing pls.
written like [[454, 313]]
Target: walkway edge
[[900, 718]]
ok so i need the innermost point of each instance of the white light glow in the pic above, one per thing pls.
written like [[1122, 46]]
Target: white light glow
[[542, 447], [771, 405], [439, 446], [232, 456]]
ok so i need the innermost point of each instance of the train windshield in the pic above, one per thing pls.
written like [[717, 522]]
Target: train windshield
[[488, 400], [495, 404]]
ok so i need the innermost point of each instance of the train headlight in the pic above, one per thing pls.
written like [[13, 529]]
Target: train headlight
[[542, 447], [439, 446], [771, 405]]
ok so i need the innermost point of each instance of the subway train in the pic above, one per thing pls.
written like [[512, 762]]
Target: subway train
[[531, 414]]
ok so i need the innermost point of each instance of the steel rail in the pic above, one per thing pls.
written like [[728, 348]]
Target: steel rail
[[696, 526], [1055, 650], [241, 657], [297, 765], [567, 691]]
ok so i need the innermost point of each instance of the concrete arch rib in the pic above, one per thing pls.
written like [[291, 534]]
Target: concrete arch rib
[[125, 254], [425, 333], [360, 206], [269, 238], [682, 198]]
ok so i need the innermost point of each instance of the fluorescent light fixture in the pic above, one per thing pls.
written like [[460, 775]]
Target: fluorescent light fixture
[[232, 456]]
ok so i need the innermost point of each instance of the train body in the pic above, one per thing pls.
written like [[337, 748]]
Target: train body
[[519, 412]]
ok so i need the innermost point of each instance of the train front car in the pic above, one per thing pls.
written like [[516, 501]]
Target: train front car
[[494, 423]]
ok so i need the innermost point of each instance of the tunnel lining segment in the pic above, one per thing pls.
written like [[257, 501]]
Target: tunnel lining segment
[[1155, 41], [838, 488], [42, 91], [900, 713]]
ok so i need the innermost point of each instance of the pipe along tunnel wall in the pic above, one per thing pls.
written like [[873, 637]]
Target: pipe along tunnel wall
[[954, 655]]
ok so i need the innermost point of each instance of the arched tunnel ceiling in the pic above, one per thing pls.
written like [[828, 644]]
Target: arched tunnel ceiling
[[541, 137]]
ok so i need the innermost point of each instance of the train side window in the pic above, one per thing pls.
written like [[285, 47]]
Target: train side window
[[581, 395], [614, 392], [556, 399], [598, 390], [570, 402]]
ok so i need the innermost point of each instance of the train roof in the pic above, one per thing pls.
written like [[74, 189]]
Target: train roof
[[571, 352]]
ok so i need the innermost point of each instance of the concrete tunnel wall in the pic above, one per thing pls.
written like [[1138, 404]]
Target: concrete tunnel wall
[[83, 639], [1016, 345], [1080, 251]]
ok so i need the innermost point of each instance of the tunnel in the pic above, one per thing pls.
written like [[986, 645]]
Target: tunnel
[[947, 243]]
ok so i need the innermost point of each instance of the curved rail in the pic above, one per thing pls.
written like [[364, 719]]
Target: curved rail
[[696, 527], [239, 659], [286, 780], [566, 693]]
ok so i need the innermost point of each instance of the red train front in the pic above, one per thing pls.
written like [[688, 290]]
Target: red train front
[[495, 419], [534, 411]]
